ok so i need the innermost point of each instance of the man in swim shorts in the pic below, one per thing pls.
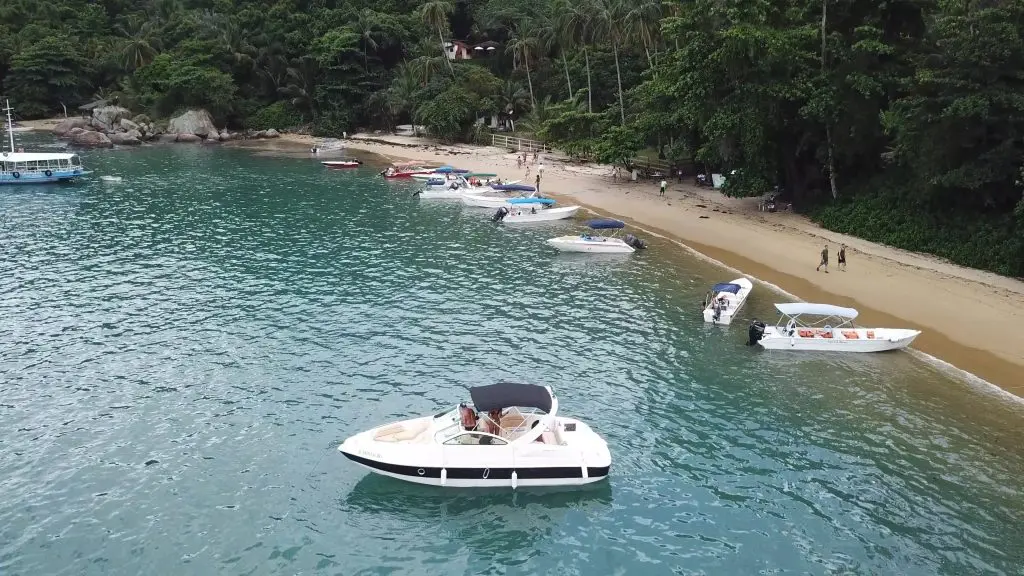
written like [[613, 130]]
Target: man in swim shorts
[[824, 260]]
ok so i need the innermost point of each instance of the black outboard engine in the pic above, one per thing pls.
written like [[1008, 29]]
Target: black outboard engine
[[500, 214], [634, 242], [755, 332]]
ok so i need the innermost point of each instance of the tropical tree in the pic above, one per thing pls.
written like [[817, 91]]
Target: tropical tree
[[575, 27], [137, 43], [642, 26], [435, 14], [367, 27], [610, 25], [522, 47]]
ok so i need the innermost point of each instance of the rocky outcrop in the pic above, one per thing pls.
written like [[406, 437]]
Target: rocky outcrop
[[271, 133], [187, 138], [89, 138], [193, 122], [108, 117], [125, 138], [126, 125], [168, 138], [61, 130]]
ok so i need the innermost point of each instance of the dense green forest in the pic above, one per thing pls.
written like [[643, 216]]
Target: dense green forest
[[899, 120]]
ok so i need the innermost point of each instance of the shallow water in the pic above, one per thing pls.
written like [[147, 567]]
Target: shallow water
[[181, 352]]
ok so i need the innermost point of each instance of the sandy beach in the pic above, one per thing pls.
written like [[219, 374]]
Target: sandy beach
[[970, 319]]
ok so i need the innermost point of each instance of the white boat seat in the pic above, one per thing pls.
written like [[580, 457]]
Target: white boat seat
[[401, 432]]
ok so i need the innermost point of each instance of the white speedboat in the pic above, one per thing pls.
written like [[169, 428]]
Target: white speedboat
[[593, 243], [724, 300], [512, 436], [792, 333], [111, 179], [497, 201], [338, 164], [521, 213]]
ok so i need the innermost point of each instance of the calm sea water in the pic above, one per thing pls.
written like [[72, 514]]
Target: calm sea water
[[181, 353]]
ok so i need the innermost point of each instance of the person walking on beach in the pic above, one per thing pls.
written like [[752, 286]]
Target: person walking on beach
[[538, 182], [519, 162], [663, 184], [527, 172], [842, 258], [824, 259]]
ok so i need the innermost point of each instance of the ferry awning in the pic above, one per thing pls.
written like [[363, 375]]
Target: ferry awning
[[509, 394], [797, 308]]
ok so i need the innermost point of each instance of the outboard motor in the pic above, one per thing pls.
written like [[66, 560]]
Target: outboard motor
[[755, 332], [634, 242], [500, 214]]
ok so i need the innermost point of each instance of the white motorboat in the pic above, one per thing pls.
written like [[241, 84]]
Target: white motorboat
[[521, 213], [791, 333], [339, 164], [598, 244], [512, 436], [111, 179], [490, 201], [724, 300]]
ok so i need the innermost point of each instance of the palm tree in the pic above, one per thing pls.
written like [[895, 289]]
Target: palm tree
[[301, 86], [642, 26], [550, 38], [521, 46], [575, 26], [138, 44], [366, 26], [610, 18], [513, 98], [435, 14]]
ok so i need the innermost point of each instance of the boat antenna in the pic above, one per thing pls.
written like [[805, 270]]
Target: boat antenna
[[10, 124]]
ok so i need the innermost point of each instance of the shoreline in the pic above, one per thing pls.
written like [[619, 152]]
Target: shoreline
[[969, 318]]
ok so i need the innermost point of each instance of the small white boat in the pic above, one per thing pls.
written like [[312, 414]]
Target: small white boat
[[111, 179], [512, 436], [488, 201], [724, 300], [598, 244], [336, 164], [520, 213], [791, 333], [20, 167]]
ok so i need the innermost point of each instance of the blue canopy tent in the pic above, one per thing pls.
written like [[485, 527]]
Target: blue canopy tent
[[514, 187], [726, 287], [545, 201], [605, 224]]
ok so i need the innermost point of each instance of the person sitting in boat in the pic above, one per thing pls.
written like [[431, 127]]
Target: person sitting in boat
[[790, 327], [390, 172]]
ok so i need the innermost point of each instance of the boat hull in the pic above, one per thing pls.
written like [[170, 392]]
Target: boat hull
[[602, 246], [736, 302], [525, 216], [40, 177], [337, 165], [458, 477], [841, 340], [478, 201]]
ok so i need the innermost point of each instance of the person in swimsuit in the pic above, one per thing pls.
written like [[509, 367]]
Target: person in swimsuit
[[824, 260], [842, 258]]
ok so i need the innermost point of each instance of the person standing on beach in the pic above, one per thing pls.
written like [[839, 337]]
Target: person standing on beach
[[824, 259], [663, 184], [842, 258], [519, 162], [527, 172], [538, 182]]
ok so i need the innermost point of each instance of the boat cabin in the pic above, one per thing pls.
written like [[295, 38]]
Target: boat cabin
[[502, 414], [33, 162]]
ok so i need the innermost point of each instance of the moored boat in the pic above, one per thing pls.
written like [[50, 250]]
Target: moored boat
[[512, 436], [488, 201], [336, 164], [598, 244], [524, 210], [405, 170], [36, 167], [792, 333], [724, 300]]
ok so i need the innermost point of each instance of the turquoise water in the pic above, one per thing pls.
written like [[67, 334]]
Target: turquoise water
[[181, 353]]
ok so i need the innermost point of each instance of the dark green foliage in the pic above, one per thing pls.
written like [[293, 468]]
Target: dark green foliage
[[279, 115]]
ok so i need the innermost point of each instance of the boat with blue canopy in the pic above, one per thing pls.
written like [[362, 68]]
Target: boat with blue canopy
[[595, 243], [544, 201], [514, 188], [724, 300]]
